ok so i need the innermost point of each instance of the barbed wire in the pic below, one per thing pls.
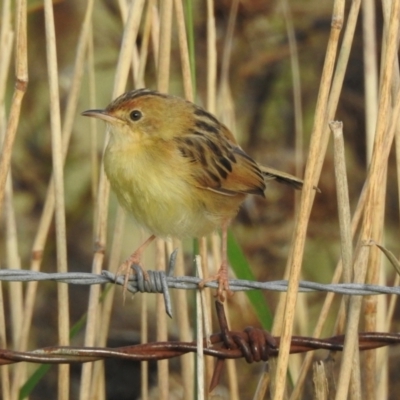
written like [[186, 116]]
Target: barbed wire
[[162, 281], [252, 344]]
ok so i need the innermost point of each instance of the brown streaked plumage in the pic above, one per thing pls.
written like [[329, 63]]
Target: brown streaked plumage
[[177, 169]]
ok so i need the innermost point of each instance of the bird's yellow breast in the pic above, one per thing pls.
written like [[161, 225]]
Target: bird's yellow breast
[[153, 183]]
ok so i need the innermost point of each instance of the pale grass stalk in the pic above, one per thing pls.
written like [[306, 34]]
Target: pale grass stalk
[[370, 73], [211, 58], [203, 251], [48, 210], [6, 46], [339, 74], [296, 82], [5, 370], [382, 354], [181, 298], [263, 383], [164, 59], [311, 174], [105, 309], [13, 261], [200, 395], [233, 381], [162, 330], [21, 77], [122, 70], [328, 300], [333, 101], [144, 49], [144, 338], [57, 157], [342, 191], [183, 47], [181, 315], [393, 130], [225, 63], [94, 158], [351, 335], [378, 163], [164, 51], [374, 212], [128, 43], [320, 381], [155, 34], [226, 104], [321, 107], [323, 315]]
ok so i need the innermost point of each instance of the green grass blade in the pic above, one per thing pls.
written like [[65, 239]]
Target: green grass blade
[[242, 270]]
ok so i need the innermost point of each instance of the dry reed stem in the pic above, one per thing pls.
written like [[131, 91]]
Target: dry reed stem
[[200, 376], [58, 171], [320, 381], [144, 49], [21, 75], [48, 210], [94, 159], [373, 218], [163, 76], [264, 383], [4, 372], [13, 260], [187, 366], [345, 232], [393, 130], [233, 380], [333, 101], [351, 335], [6, 46], [184, 329], [370, 73], [343, 200], [294, 261], [105, 309], [296, 82], [123, 65], [15, 294], [144, 338], [183, 47], [371, 95], [211, 58]]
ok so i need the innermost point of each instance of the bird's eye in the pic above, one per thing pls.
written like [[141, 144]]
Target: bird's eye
[[135, 115]]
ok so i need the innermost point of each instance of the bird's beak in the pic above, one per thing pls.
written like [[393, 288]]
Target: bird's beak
[[101, 114]]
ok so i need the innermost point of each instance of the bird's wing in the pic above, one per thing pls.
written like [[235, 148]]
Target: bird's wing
[[219, 165]]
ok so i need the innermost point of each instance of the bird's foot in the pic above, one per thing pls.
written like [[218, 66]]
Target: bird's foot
[[223, 282], [125, 270]]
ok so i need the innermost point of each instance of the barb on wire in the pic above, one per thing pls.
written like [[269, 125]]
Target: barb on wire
[[161, 282], [252, 344]]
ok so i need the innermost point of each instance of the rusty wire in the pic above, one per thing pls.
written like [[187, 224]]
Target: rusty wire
[[252, 344]]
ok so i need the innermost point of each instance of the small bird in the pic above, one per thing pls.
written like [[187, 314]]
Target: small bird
[[178, 170]]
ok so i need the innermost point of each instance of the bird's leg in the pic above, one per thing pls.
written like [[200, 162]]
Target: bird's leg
[[222, 274], [134, 258]]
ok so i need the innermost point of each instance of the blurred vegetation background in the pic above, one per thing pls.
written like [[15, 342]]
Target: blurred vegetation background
[[261, 89]]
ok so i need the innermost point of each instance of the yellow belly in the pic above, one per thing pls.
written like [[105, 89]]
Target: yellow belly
[[160, 195]]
